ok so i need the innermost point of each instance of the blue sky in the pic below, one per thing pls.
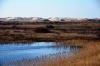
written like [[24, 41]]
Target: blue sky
[[50, 8]]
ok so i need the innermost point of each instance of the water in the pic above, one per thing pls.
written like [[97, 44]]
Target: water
[[12, 53]]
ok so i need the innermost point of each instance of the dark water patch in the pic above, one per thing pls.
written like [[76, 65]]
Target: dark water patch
[[36, 51]]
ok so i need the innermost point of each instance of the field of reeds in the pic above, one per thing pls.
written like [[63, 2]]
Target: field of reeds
[[88, 56]]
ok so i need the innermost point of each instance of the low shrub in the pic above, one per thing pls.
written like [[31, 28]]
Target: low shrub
[[98, 35], [98, 29], [42, 30], [50, 26]]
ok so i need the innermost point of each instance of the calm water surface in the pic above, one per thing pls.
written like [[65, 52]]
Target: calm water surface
[[12, 53]]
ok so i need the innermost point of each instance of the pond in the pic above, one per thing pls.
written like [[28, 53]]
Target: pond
[[13, 53]]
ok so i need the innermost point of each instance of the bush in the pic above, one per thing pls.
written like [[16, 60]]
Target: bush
[[98, 35], [46, 20], [98, 29], [14, 27], [41, 30], [50, 26]]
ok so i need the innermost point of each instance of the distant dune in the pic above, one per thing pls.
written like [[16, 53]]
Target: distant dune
[[39, 19]]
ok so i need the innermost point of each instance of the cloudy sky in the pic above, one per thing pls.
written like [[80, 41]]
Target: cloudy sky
[[50, 8]]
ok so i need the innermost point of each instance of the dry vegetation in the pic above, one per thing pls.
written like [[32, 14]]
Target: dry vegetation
[[86, 34], [48, 31]]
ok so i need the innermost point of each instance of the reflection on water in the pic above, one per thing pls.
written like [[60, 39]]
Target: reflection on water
[[12, 53]]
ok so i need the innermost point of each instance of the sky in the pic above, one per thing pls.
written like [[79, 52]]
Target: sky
[[50, 8]]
